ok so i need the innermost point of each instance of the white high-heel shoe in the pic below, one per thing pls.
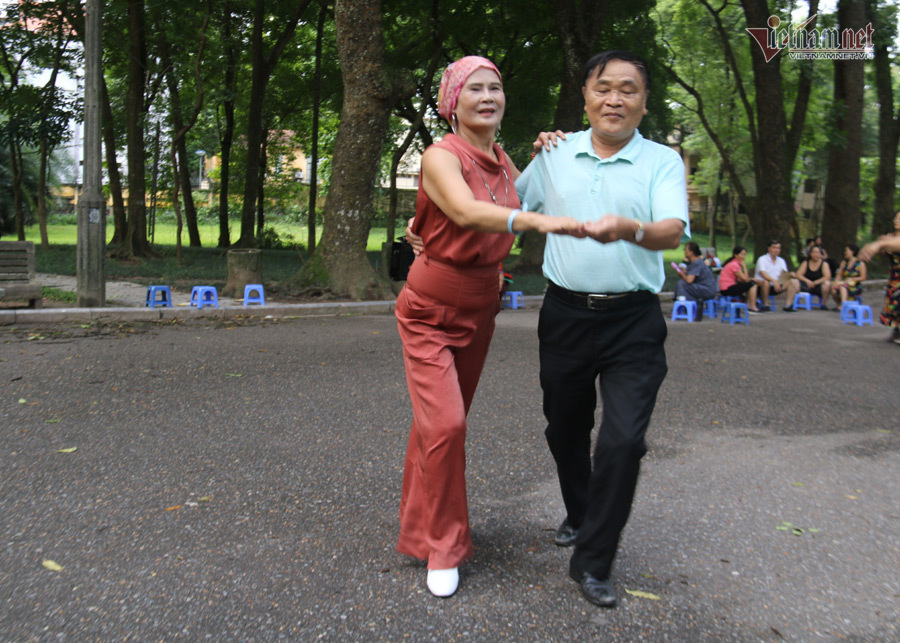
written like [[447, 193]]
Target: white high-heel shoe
[[443, 582]]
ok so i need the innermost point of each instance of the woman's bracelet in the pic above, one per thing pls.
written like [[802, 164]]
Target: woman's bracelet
[[509, 222]]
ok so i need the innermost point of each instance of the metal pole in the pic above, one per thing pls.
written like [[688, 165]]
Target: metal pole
[[91, 248]]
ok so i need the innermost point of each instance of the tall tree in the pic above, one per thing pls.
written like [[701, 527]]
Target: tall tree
[[340, 261], [135, 243], [226, 132], [774, 139], [842, 213], [885, 20], [263, 63]]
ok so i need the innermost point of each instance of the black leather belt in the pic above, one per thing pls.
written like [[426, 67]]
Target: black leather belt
[[597, 301]]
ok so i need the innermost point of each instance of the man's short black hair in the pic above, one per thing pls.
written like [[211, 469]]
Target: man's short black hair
[[774, 242], [598, 63], [694, 247]]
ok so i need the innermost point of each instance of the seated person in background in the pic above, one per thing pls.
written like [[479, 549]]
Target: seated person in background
[[814, 275], [804, 253], [849, 277], [711, 260], [769, 269], [697, 281], [734, 281]]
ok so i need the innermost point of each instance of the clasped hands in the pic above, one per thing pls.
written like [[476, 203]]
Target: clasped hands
[[606, 229]]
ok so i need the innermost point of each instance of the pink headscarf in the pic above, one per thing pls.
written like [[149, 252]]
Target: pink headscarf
[[455, 77]]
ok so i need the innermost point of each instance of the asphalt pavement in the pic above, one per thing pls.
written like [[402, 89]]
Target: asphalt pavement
[[237, 478]]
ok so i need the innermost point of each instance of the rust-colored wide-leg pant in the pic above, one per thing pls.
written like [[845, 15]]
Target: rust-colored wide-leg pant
[[446, 320]]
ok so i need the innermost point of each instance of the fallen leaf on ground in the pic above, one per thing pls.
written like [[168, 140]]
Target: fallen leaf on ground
[[234, 374], [67, 450], [640, 594], [53, 421], [53, 566], [22, 400], [173, 508]]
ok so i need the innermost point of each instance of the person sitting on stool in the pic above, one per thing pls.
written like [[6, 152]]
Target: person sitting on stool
[[697, 280]]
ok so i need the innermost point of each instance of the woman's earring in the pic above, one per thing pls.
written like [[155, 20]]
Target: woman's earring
[[454, 123]]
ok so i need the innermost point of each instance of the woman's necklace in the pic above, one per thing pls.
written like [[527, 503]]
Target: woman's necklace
[[488, 188]]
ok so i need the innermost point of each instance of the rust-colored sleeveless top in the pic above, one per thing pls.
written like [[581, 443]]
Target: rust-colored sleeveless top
[[449, 243]]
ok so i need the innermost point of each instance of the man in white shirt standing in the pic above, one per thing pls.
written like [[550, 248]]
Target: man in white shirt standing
[[769, 270]]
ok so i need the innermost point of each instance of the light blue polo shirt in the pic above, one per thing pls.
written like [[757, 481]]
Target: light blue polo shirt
[[643, 181]]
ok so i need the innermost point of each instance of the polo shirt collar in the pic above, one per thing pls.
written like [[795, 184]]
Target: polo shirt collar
[[628, 153]]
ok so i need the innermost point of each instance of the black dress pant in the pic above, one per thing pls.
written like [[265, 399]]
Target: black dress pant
[[621, 342]]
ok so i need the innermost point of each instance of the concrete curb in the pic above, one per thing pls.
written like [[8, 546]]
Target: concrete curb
[[18, 316], [13, 317]]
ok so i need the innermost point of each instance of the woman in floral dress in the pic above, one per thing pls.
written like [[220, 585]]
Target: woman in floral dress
[[889, 244]]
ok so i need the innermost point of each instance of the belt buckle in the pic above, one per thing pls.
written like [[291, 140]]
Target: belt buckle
[[595, 302]]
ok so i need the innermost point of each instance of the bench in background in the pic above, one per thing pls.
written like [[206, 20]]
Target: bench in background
[[17, 280]]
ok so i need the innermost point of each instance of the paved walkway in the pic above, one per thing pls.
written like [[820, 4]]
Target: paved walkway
[[239, 480]]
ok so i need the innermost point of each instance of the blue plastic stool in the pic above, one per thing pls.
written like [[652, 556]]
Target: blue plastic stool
[[684, 309], [711, 308], [250, 298], [204, 296], [513, 299], [735, 312], [821, 303], [855, 313], [802, 300], [163, 302], [847, 310]]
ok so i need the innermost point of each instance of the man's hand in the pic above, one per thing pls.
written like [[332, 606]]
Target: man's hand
[[414, 240], [546, 139], [609, 228]]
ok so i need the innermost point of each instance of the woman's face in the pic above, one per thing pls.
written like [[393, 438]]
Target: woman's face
[[848, 253], [742, 256], [481, 100], [897, 221], [816, 253]]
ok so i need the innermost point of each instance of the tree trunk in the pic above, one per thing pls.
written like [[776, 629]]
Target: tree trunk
[[261, 195], [135, 243], [16, 168], [340, 261], [312, 165], [244, 267], [227, 136], [120, 221], [261, 70], [842, 214], [184, 169], [42, 196], [772, 209], [888, 130]]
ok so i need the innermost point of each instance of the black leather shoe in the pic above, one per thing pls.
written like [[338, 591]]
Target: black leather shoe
[[566, 534], [598, 592]]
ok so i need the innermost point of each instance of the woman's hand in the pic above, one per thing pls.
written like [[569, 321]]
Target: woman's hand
[[871, 249], [414, 240], [546, 139], [561, 225]]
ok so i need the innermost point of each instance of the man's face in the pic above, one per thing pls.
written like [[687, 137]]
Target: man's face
[[775, 250], [615, 102]]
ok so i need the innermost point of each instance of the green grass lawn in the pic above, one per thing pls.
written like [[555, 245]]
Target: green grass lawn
[[207, 264]]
